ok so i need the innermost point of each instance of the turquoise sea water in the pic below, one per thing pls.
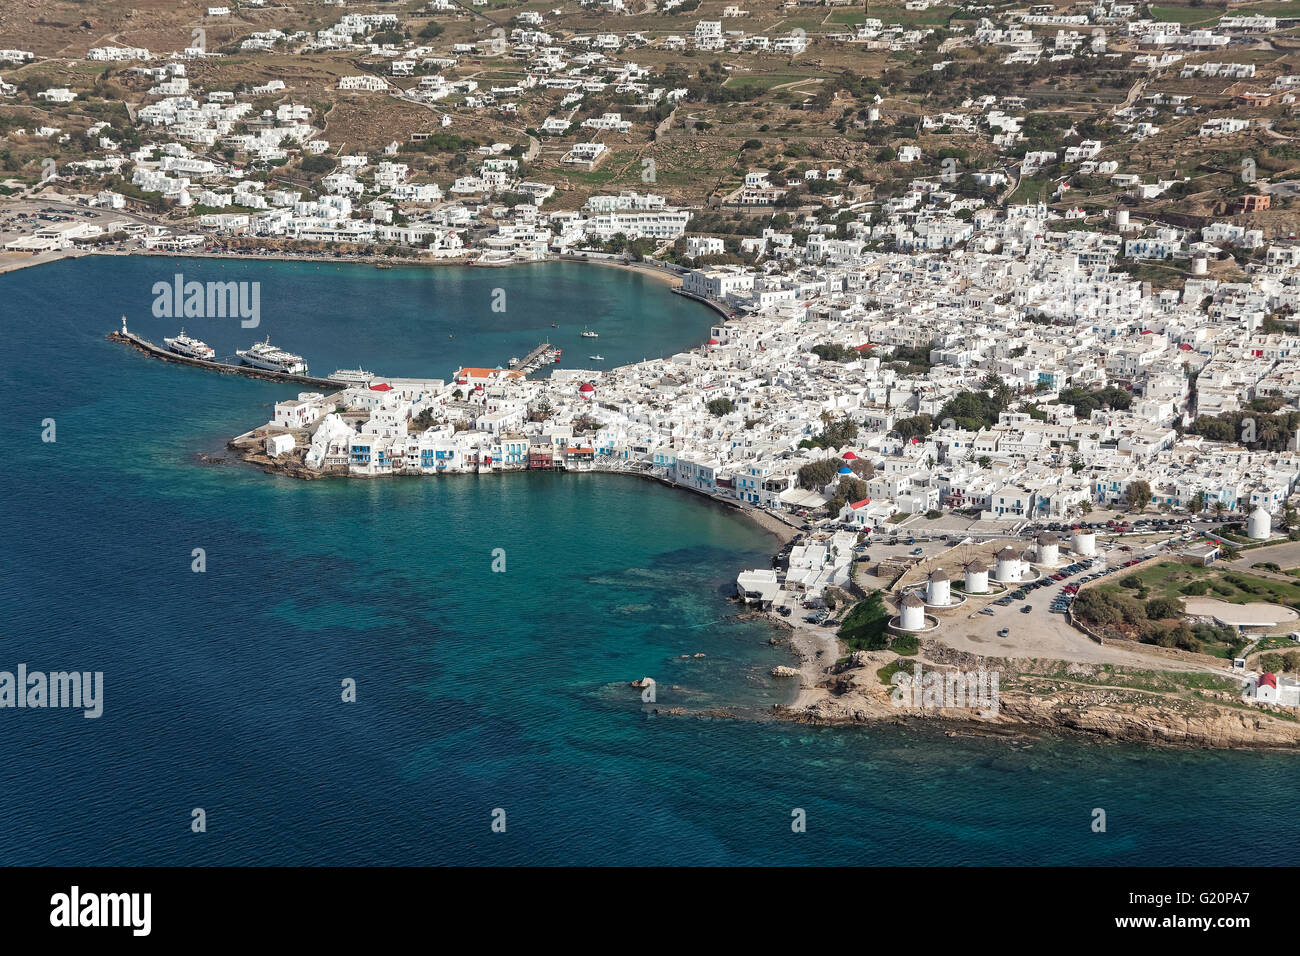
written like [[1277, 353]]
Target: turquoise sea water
[[476, 690]]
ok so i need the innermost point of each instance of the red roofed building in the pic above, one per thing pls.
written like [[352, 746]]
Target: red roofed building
[[1268, 688], [477, 376], [863, 515]]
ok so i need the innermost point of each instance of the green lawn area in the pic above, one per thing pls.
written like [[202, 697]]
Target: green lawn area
[[598, 177], [1032, 189], [1267, 10], [1168, 578], [934, 17], [1160, 682], [1275, 642], [1172, 14], [1072, 224], [805, 24]]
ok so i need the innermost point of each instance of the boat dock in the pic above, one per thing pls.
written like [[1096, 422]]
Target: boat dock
[[542, 355], [225, 368]]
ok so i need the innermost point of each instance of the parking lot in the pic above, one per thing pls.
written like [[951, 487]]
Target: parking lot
[[19, 218], [1031, 621]]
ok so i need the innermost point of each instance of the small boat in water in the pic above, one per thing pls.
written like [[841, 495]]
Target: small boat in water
[[596, 358], [588, 334]]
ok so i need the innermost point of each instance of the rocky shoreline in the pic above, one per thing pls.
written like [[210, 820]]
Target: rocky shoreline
[[1036, 696]]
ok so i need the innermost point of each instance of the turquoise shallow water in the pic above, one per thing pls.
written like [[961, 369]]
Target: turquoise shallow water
[[476, 690]]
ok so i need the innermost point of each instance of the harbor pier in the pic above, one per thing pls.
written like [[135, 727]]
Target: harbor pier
[[225, 368]]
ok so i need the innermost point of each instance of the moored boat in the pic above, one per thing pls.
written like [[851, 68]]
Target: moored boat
[[190, 347], [264, 355], [352, 376]]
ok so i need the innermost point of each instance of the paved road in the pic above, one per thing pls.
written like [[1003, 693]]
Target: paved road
[[1284, 555]]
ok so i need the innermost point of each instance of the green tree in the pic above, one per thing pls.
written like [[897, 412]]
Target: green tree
[[1162, 607], [848, 489], [721, 406], [918, 426], [865, 628], [1138, 495], [818, 474]]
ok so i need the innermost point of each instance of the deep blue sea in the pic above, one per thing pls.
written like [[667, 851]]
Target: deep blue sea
[[475, 690]]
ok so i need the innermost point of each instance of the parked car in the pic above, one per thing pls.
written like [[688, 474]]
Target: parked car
[[1004, 632], [1026, 609]]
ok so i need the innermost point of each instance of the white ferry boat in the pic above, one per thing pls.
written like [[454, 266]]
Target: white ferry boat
[[267, 356], [588, 334], [190, 347], [352, 376]]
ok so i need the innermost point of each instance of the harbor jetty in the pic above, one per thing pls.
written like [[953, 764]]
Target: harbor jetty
[[538, 357], [127, 337]]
